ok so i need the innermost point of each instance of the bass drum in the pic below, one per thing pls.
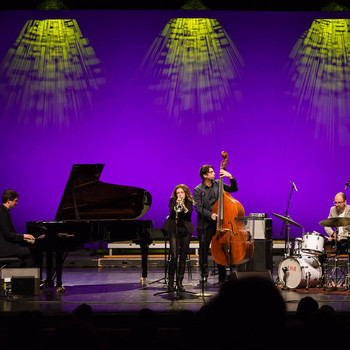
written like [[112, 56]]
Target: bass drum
[[298, 270]]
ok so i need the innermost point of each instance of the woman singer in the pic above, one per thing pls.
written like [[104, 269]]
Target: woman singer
[[179, 229]]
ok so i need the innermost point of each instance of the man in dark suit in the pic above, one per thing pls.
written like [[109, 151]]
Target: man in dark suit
[[205, 195], [12, 243]]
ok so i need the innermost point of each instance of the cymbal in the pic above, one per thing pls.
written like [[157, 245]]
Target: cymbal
[[335, 222], [286, 219]]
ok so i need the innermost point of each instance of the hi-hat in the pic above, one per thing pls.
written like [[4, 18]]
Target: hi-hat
[[286, 219], [335, 222]]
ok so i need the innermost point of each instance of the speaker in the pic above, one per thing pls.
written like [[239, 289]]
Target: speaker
[[263, 274], [24, 281], [262, 257], [259, 227], [25, 285]]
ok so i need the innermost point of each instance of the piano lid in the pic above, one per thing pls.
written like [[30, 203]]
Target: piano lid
[[85, 197]]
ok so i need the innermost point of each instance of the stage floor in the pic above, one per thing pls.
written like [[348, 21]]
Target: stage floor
[[116, 298], [112, 290]]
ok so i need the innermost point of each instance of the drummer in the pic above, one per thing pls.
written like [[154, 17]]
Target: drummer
[[340, 209]]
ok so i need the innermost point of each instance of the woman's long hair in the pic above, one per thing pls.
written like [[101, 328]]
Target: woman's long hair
[[188, 194]]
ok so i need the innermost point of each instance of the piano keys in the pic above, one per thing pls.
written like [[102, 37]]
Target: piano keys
[[92, 210]]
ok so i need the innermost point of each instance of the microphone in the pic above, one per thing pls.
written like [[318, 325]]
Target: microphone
[[347, 184], [203, 194], [294, 186]]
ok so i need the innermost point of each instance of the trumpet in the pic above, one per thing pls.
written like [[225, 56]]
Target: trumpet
[[179, 207]]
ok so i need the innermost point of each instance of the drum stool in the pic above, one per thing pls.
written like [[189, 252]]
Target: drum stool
[[339, 269]]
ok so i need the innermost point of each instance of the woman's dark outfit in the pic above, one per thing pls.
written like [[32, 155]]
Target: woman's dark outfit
[[179, 229]]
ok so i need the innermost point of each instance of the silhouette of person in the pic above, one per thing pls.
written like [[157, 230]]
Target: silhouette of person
[[246, 313]]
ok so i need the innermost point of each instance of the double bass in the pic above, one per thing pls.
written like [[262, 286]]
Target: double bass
[[232, 244]]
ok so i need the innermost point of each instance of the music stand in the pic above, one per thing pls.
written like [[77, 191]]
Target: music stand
[[160, 234]]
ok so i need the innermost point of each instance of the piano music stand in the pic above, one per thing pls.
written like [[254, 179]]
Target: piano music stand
[[160, 234]]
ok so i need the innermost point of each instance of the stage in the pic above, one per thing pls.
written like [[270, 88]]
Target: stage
[[118, 289], [116, 298]]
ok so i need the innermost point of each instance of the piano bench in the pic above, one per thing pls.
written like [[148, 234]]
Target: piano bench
[[12, 260]]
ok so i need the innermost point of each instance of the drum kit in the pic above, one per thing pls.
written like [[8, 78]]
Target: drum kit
[[307, 266]]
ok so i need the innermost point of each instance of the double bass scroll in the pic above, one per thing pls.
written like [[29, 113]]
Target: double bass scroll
[[231, 245]]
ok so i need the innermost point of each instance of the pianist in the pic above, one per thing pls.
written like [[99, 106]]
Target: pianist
[[12, 243]]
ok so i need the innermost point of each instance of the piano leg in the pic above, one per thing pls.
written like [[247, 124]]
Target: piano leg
[[144, 262], [49, 269], [59, 266], [58, 253]]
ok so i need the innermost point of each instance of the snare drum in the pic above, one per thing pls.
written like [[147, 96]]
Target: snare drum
[[312, 243], [298, 270]]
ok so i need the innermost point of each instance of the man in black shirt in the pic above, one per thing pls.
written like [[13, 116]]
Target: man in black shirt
[[205, 195], [12, 243]]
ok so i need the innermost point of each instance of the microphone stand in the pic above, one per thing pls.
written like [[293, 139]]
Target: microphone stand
[[286, 236], [176, 292], [285, 269], [202, 243], [202, 249], [166, 261], [250, 246], [177, 252], [176, 289]]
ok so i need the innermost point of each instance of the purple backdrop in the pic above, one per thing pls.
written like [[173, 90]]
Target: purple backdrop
[[270, 134]]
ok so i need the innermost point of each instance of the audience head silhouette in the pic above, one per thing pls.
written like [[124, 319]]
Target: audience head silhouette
[[244, 312]]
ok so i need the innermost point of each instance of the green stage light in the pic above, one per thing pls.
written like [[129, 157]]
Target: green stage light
[[49, 73], [317, 78], [194, 67]]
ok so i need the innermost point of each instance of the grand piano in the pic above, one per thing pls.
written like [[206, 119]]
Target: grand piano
[[92, 210]]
